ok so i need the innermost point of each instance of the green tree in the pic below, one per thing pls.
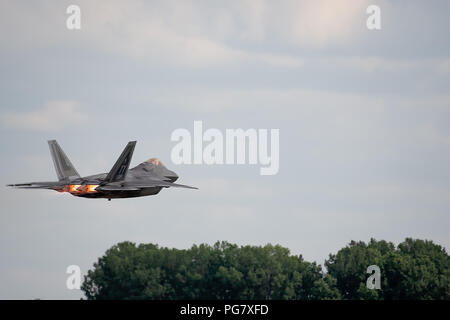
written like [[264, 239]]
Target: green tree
[[416, 269], [222, 271]]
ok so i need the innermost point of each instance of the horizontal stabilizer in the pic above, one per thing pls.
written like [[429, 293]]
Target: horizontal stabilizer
[[38, 185]]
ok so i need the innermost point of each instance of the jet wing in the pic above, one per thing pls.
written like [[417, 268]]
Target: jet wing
[[135, 186], [160, 183], [117, 188]]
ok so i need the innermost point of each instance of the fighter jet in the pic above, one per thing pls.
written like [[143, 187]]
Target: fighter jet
[[147, 178]]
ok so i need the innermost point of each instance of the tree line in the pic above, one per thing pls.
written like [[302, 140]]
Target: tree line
[[415, 269]]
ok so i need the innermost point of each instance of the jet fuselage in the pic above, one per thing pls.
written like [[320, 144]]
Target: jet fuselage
[[147, 178]]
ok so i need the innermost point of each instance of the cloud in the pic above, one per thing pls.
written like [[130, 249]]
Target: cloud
[[374, 64], [186, 34], [329, 120], [169, 37], [190, 34], [325, 22], [298, 101], [444, 66], [212, 188], [54, 116], [381, 64]]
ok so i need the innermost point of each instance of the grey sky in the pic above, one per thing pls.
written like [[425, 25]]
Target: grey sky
[[363, 116]]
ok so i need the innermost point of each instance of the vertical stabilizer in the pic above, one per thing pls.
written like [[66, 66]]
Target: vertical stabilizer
[[64, 168], [120, 168]]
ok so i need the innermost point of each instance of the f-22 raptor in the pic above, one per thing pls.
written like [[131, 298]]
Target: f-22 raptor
[[147, 178]]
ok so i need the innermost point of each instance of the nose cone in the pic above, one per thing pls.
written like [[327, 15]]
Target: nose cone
[[172, 176]]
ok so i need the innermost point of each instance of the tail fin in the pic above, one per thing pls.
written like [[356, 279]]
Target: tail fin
[[64, 168], [120, 168]]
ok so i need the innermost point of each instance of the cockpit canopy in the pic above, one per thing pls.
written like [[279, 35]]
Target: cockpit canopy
[[155, 161]]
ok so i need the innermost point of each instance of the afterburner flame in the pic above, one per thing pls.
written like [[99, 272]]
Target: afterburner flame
[[73, 188], [80, 189], [91, 187]]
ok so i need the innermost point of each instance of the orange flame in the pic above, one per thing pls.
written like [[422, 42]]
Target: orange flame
[[73, 188], [91, 187], [79, 189]]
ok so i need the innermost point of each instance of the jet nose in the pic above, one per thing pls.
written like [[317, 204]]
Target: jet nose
[[172, 176]]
